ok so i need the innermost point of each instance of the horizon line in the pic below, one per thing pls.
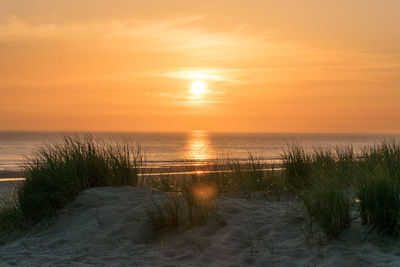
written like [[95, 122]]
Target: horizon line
[[192, 131]]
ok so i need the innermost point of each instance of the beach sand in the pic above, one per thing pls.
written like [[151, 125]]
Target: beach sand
[[108, 227]]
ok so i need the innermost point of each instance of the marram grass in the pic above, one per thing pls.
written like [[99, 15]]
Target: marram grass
[[57, 173], [378, 187], [181, 210], [331, 180]]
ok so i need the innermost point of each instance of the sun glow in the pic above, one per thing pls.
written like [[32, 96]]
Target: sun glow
[[198, 88], [198, 147]]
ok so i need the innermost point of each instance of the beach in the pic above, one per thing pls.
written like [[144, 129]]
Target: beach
[[203, 133], [179, 152], [107, 227], [90, 204]]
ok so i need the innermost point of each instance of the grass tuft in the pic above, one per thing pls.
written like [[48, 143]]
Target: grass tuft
[[57, 173], [330, 206], [378, 187], [11, 216], [325, 178], [181, 210], [298, 165], [247, 178]]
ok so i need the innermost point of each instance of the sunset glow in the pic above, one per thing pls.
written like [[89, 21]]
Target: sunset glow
[[199, 133], [198, 147], [262, 66], [198, 88]]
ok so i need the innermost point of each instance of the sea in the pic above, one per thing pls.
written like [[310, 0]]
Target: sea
[[174, 150]]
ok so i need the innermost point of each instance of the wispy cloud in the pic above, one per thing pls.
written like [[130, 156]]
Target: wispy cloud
[[220, 75], [177, 44]]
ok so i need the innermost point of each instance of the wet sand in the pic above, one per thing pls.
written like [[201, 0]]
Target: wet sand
[[172, 170], [10, 174]]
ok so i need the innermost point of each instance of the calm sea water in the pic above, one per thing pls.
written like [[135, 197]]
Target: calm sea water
[[174, 149]]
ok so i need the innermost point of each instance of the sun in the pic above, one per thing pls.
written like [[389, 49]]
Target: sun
[[198, 88]]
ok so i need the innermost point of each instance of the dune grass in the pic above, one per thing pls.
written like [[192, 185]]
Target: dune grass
[[248, 179], [233, 178], [191, 199], [192, 206], [11, 216], [57, 173], [298, 166], [331, 180], [329, 205], [378, 187], [322, 179]]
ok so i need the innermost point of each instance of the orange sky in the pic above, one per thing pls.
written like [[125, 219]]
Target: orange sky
[[269, 66]]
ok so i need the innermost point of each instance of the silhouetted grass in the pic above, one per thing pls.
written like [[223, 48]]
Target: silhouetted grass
[[191, 199], [302, 167], [59, 172], [234, 178], [181, 210], [330, 205], [378, 187], [325, 178], [11, 216], [247, 178], [320, 178], [298, 166]]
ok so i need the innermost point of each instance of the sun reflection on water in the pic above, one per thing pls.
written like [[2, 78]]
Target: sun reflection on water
[[198, 147]]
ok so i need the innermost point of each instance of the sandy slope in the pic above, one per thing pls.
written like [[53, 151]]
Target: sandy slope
[[107, 227]]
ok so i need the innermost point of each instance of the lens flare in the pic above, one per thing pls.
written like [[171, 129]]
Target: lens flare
[[204, 192]]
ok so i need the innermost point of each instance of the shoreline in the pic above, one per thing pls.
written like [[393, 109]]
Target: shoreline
[[159, 171]]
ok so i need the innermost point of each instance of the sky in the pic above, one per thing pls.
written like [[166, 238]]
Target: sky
[[265, 66]]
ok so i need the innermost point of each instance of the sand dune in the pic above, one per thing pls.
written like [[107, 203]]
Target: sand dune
[[108, 227]]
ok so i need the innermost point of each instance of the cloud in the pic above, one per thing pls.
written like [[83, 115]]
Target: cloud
[[220, 75], [235, 56], [173, 33]]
